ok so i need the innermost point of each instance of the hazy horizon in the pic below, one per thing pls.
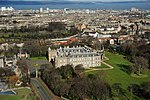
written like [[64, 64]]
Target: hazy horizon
[[81, 0]]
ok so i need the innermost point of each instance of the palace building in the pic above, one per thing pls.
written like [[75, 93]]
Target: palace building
[[84, 55]]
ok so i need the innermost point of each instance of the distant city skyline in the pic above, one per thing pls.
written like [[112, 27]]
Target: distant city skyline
[[76, 4]]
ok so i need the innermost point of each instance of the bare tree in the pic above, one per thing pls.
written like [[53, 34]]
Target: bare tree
[[140, 64]]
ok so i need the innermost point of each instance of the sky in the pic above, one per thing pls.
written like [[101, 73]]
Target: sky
[[81, 0], [104, 0]]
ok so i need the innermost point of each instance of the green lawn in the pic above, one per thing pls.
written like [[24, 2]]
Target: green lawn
[[38, 58], [38, 61], [119, 73], [22, 94], [9, 97]]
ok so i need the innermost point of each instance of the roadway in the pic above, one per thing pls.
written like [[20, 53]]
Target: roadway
[[41, 90], [66, 38]]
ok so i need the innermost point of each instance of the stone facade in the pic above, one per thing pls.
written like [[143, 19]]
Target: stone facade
[[76, 55]]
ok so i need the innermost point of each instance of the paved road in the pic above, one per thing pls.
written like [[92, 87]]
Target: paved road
[[42, 91], [93, 69], [110, 66], [57, 39]]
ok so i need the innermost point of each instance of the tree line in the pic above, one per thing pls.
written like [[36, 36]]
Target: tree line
[[52, 30], [35, 28], [137, 52], [67, 82], [142, 90]]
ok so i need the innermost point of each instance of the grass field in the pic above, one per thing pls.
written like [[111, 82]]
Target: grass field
[[120, 72], [38, 61], [22, 94], [38, 58]]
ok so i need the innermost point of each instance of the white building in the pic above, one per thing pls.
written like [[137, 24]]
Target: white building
[[6, 8], [75, 56], [41, 9], [1, 62], [134, 9]]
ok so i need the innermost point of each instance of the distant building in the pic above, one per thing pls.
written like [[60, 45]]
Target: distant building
[[81, 26], [75, 56], [66, 9], [41, 9], [4, 46], [8, 62], [3, 86], [1, 62], [23, 54], [111, 41], [6, 8], [134, 9], [18, 72], [97, 35], [47, 9]]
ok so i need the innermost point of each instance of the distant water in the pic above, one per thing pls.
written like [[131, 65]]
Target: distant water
[[114, 6]]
